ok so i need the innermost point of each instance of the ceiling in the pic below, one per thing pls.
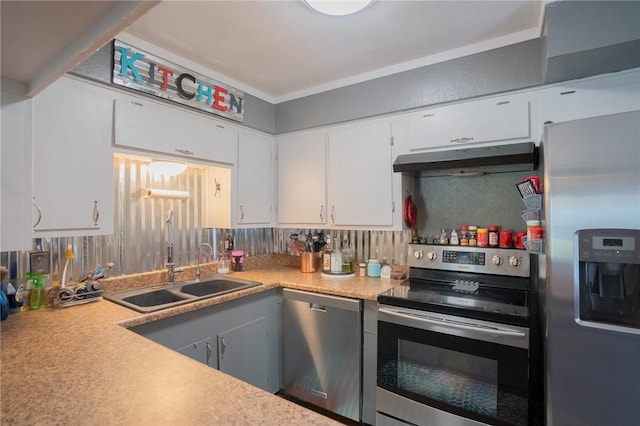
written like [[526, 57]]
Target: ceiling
[[275, 50]]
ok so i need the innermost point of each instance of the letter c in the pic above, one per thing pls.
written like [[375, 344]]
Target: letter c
[[183, 93]]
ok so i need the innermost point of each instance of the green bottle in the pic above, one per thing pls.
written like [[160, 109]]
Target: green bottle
[[37, 291]]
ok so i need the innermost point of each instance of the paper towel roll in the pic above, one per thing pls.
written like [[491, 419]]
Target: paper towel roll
[[166, 193]]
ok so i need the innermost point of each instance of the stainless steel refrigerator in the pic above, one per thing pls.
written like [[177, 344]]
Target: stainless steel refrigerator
[[592, 259]]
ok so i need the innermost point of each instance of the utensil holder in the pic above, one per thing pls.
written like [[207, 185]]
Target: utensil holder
[[308, 262], [79, 294]]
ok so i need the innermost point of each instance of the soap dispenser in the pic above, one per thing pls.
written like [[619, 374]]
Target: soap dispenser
[[37, 291]]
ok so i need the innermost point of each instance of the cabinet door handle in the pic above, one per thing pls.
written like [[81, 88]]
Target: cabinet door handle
[[184, 151], [39, 212], [241, 213], [333, 214], [223, 347], [218, 187], [322, 213], [208, 352], [96, 213], [461, 140]]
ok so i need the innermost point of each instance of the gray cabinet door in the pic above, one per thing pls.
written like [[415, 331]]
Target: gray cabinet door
[[242, 352], [199, 350]]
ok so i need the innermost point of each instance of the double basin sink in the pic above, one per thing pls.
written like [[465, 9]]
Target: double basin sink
[[163, 296]]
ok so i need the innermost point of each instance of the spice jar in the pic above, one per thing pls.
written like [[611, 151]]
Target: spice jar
[[506, 239], [473, 235], [464, 235], [483, 237], [532, 224], [494, 238], [362, 269]]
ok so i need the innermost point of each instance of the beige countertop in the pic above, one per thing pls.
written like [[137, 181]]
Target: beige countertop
[[80, 365]]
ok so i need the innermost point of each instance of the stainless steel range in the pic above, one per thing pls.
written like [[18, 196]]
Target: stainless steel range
[[458, 343]]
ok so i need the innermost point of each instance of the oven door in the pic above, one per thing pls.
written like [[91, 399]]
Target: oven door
[[451, 369]]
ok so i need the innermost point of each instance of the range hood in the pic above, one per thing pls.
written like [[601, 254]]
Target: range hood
[[469, 161]]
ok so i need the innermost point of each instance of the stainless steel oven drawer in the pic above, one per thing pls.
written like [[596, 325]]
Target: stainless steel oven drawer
[[396, 410]]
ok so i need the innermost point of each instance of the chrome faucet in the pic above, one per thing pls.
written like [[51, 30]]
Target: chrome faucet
[[171, 267], [198, 267]]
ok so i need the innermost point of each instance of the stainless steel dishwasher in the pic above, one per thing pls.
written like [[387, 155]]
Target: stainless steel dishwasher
[[322, 351]]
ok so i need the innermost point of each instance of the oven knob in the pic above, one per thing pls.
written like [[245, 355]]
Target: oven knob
[[432, 255], [514, 261], [418, 254], [496, 260]]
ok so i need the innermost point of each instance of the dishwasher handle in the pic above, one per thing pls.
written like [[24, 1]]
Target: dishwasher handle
[[317, 307]]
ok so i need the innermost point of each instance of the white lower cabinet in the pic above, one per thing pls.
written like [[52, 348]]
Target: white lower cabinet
[[72, 160], [239, 337]]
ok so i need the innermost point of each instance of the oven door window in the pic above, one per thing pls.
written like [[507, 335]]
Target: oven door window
[[480, 380]]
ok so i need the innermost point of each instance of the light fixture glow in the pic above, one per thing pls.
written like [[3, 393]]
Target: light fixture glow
[[167, 168], [338, 7]]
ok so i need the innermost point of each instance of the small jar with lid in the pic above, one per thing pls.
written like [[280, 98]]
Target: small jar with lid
[[362, 269], [483, 237], [464, 235], [374, 268], [473, 235], [494, 236]]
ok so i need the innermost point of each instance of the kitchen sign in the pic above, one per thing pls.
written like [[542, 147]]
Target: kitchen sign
[[149, 74]]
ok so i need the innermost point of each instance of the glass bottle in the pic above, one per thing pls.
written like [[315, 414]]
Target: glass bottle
[[326, 255], [336, 256], [346, 257]]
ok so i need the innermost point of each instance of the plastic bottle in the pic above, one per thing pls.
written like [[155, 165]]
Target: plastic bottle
[[454, 238], [37, 291], [443, 237], [4, 304]]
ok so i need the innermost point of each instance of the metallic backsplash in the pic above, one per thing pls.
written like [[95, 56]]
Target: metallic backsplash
[[141, 232]]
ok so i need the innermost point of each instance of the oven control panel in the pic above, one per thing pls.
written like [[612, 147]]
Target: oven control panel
[[510, 262]]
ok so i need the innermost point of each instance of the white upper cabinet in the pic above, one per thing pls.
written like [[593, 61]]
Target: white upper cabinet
[[302, 168], [590, 97], [73, 187], [360, 175], [500, 119], [255, 179], [150, 126], [15, 154]]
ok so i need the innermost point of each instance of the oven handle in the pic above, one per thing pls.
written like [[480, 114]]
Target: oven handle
[[430, 320]]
